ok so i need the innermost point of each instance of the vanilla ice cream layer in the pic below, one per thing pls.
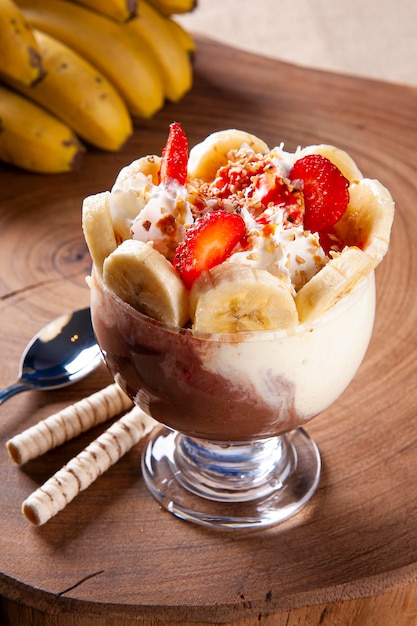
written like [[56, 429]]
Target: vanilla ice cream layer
[[317, 360]]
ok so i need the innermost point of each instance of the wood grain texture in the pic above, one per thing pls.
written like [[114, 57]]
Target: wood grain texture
[[113, 554]]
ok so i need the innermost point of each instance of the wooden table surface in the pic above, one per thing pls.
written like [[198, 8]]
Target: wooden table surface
[[350, 556]]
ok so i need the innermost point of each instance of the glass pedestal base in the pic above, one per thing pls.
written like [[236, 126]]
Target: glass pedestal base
[[231, 485]]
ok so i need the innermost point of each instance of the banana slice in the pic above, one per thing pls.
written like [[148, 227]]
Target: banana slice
[[340, 158], [334, 281], [98, 228], [206, 157], [145, 279], [368, 219], [233, 298]]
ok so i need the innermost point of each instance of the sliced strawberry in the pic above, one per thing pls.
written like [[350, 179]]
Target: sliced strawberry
[[208, 242], [325, 190], [175, 156]]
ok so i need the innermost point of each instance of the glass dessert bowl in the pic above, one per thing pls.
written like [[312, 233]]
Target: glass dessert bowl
[[233, 298], [232, 452]]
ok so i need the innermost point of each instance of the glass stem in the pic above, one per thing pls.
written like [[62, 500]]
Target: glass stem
[[237, 472]]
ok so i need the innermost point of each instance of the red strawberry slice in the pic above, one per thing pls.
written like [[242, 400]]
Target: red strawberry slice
[[208, 242], [325, 190], [175, 156]]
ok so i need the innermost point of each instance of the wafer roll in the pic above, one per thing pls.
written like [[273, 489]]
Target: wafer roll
[[85, 468], [68, 423]]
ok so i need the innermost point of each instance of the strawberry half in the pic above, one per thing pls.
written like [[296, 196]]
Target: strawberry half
[[325, 190], [175, 156], [208, 242]]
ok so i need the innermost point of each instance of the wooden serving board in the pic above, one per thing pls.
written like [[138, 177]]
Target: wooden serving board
[[113, 556]]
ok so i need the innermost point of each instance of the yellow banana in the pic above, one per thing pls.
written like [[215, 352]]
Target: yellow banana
[[174, 62], [20, 58], [119, 10], [31, 138], [105, 44], [79, 95], [182, 35], [168, 7]]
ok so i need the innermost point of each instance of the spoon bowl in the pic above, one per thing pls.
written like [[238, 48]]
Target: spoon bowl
[[63, 352]]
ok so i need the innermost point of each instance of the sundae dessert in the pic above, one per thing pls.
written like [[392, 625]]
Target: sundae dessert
[[232, 290]]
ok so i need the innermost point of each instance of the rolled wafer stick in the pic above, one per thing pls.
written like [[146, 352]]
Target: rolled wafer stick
[[83, 469], [68, 423]]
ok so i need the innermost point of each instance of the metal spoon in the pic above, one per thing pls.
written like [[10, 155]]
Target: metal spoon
[[64, 351]]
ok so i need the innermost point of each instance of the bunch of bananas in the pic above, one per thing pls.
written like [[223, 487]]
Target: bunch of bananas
[[80, 72]]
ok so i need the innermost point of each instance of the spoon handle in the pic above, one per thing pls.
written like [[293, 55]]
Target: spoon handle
[[10, 391]]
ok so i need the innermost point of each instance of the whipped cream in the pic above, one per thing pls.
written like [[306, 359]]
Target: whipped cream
[[164, 218], [290, 253], [128, 197]]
